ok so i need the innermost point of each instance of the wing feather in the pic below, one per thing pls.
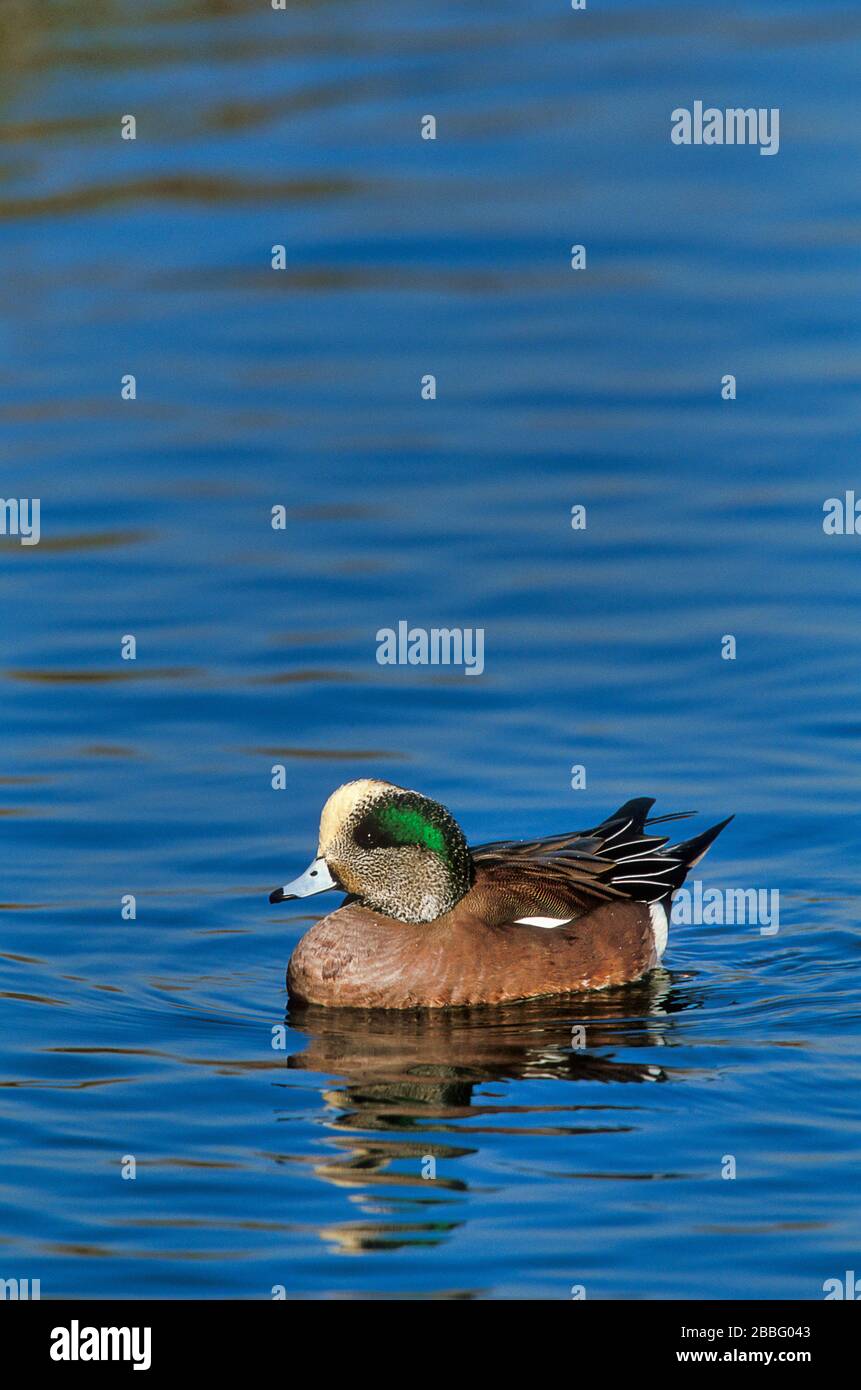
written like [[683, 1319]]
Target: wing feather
[[575, 872]]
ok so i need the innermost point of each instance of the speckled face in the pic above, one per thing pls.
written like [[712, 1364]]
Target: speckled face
[[398, 852]]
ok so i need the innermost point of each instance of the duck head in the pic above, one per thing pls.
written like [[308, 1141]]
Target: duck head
[[395, 851]]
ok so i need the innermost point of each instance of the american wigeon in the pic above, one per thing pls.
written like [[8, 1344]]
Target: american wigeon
[[429, 922]]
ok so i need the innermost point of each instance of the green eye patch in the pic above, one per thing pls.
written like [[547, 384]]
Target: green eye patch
[[409, 827], [388, 826]]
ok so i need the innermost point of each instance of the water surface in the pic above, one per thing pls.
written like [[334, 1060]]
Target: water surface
[[302, 1166]]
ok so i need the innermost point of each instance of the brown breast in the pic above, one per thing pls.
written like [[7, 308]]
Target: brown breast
[[358, 957]]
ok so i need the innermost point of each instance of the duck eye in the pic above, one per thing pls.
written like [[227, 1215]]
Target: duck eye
[[370, 834], [364, 835]]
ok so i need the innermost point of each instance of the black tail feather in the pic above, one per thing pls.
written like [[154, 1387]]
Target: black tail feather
[[691, 851], [634, 812], [672, 815], [646, 867]]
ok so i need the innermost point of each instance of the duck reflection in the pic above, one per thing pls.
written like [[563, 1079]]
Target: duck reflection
[[410, 1081]]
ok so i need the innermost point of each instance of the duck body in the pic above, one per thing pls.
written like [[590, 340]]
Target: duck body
[[358, 957], [505, 921]]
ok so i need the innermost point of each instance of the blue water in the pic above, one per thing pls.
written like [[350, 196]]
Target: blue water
[[152, 1038]]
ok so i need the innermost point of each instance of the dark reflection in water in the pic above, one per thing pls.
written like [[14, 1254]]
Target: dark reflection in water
[[428, 1071], [430, 1055]]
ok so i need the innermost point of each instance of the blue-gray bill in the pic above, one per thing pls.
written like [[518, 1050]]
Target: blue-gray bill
[[317, 878]]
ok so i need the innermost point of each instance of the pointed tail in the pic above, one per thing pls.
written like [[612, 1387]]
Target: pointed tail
[[690, 852]]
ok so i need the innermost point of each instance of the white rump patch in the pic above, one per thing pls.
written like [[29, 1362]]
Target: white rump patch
[[660, 927], [543, 921]]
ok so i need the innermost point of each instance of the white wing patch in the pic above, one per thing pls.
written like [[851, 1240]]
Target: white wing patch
[[660, 927], [542, 921]]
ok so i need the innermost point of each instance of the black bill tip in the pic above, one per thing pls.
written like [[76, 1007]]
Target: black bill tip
[[277, 896]]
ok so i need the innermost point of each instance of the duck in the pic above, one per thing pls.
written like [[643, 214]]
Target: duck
[[429, 922]]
